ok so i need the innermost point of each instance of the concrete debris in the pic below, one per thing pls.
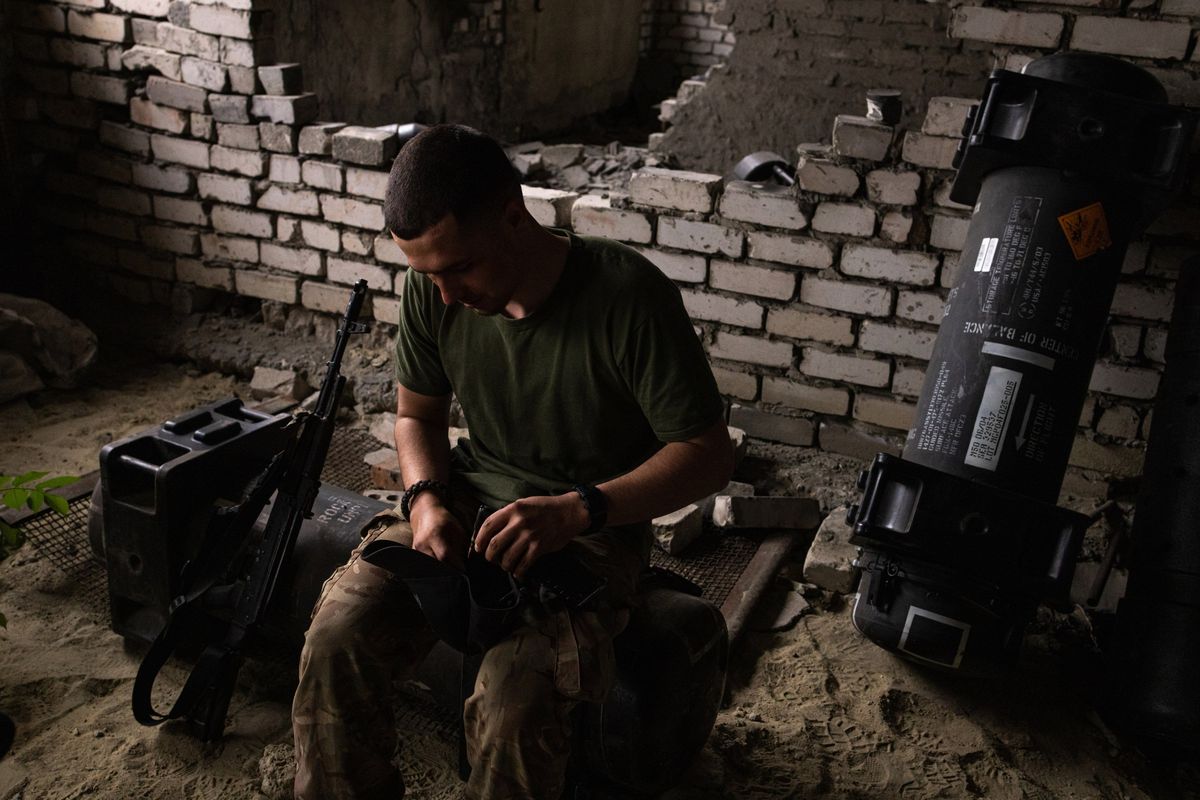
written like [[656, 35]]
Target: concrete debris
[[560, 156], [384, 455], [828, 563], [675, 532], [383, 428], [41, 345], [780, 608], [737, 437], [386, 474], [732, 489], [578, 167], [766, 512], [458, 434], [271, 382], [277, 769]]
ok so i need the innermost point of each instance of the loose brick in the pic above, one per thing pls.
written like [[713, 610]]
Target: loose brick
[[145, 31], [830, 559], [846, 218], [884, 411], [947, 232], [370, 183], [677, 531], [175, 240], [895, 226], [821, 399], [946, 115], [859, 137], [226, 189], [748, 279], [234, 108], [145, 8], [1117, 460], [163, 179], [102, 88], [848, 368], [291, 110], [187, 42], [284, 169], [703, 237], [678, 266], [270, 382], [357, 213], [290, 201], [277, 138], [357, 242], [229, 248], [243, 162], [893, 188], [175, 209], [718, 308], [762, 204], [550, 207], [171, 93], [369, 146], [736, 384], [266, 287], [837, 437], [179, 151], [888, 265], [152, 115], [246, 53], [751, 350], [793, 250], [283, 79], [802, 513], [201, 72], [321, 175], [1131, 37], [317, 139], [292, 259], [908, 381], [220, 20], [119, 198], [230, 219], [676, 189], [1008, 27], [329, 299], [242, 137], [798, 324], [243, 80], [191, 270], [318, 234], [341, 270], [1143, 301], [592, 215], [856, 298], [936, 152], [772, 427], [822, 176], [1138, 383], [920, 306], [103, 27]]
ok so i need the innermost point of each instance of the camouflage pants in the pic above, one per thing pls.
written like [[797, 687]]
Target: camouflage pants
[[367, 630]]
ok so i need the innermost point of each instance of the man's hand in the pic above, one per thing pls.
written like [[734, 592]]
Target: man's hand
[[520, 533], [437, 533]]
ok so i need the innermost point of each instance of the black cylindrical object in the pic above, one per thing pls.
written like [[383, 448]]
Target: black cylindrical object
[[1153, 692], [960, 538]]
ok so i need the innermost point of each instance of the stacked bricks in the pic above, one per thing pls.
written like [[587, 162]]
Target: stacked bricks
[[686, 33], [181, 159]]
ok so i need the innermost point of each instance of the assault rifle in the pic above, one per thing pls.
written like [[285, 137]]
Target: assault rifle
[[293, 476]]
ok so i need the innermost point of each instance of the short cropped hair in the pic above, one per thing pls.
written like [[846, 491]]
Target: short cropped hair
[[447, 169]]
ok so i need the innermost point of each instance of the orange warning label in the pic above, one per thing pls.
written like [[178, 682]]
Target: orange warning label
[[1086, 230]]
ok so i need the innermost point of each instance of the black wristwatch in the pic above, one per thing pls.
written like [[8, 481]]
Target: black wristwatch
[[597, 507]]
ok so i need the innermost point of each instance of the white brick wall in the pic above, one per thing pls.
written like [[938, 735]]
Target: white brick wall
[[748, 279], [889, 265], [703, 237], [674, 189]]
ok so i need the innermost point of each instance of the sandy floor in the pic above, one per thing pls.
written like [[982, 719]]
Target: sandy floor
[[815, 711]]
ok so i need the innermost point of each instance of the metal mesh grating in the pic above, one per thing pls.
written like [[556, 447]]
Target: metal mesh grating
[[714, 563], [64, 541], [344, 465]]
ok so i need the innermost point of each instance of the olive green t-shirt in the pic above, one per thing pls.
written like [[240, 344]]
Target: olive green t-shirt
[[583, 390]]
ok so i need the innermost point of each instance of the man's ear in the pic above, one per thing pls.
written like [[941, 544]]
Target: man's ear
[[514, 213]]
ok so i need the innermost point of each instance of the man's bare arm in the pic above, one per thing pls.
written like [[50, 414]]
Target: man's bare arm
[[680, 472], [422, 424]]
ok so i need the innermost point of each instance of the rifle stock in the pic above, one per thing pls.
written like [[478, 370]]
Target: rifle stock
[[295, 478]]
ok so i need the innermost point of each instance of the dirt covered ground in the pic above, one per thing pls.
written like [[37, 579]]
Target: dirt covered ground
[[814, 710]]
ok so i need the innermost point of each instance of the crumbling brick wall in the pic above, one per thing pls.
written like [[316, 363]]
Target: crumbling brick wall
[[684, 37], [818, 307]]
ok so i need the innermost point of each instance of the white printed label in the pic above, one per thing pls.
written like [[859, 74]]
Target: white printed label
[[987, 252], [991, 423]]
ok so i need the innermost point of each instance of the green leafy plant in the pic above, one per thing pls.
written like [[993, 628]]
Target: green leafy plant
[[16, 492]]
